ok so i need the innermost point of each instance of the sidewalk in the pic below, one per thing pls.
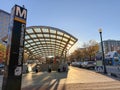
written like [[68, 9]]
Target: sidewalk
[[75, 79]]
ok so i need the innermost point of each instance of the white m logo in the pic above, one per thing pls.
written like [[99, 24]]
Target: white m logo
[[20, 13]]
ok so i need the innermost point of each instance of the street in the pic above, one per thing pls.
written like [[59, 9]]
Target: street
[[74, 79]]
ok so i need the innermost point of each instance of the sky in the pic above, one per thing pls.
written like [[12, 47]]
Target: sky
[[80, 18]]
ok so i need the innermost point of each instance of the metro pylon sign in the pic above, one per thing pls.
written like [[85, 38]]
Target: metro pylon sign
[[15, 49]]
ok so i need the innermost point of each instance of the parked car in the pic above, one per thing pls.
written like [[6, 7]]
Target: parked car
[[76, 64], [88, 64]]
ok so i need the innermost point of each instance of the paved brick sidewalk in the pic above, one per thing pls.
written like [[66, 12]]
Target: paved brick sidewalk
[[75, 79]]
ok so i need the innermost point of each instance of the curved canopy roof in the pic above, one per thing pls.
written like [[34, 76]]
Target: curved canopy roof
[[47, 41]]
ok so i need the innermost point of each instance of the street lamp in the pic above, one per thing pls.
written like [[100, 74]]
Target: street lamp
[[103, 58]]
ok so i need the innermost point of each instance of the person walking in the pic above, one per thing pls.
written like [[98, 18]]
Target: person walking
[[49, 68]]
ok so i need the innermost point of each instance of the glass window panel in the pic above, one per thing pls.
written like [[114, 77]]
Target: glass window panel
[[37, 42], [39, 53], [71, 42], [40, 45], [46, 35], [69, 45], [65, 39], [27, 45], [52, 31], [63, 43], [60, 47], [52, 36], [30, 48], [27, 37], [43, 45], [58, 41], [52, 45], [59, 37], [72, 39], [39, 35], [59, 33], [33, 36], [35, 49], [36, 39], [58, 44], [37, 30], [41, 39], [66, 35], [48, 40], [30, 41], [27, 52], [43, 42], [33, 44], [25, 42], [30, 31], [53, 40], [34, 52], [44, 29], [57, 48], [48, 43]]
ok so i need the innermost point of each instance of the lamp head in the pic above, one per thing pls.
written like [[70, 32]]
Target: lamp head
[[100, 30]]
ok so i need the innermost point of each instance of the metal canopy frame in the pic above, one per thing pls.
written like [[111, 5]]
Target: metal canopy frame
[[43, 41]]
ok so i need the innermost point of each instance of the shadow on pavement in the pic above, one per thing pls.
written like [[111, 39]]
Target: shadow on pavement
[[113, 76], [46, 81]]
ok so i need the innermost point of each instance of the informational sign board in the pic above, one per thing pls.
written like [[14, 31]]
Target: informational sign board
[[99, 66], [99, 63], [15, 49]]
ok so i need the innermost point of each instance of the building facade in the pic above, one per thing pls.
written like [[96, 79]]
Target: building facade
[[110, 45], [4, 24]]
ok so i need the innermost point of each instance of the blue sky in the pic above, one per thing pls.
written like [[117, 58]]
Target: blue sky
[[81, 18]]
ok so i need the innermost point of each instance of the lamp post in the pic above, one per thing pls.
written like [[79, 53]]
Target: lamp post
[[103, 58]]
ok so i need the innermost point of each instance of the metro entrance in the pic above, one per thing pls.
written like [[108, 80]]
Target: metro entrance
[[39, 41]]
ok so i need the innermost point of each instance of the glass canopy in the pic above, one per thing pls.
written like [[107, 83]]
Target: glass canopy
[[47, 41]]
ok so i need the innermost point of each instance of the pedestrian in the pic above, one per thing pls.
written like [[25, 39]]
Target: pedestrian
[[59, 68], [36, 70], [64, 68], [49, 68]]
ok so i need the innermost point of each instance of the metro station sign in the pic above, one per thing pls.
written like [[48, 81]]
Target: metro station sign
[[20, 14], [15, 49]]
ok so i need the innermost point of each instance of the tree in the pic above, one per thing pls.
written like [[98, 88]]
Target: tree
[[2, 52], [77, 54], [86, 53], [85, 50], [91, 49]]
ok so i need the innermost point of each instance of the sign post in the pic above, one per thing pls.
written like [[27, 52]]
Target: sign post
[[15, 49]]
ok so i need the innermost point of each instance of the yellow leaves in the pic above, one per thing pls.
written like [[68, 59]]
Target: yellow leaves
[[2, 52], [2, 47], [89, 50]]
